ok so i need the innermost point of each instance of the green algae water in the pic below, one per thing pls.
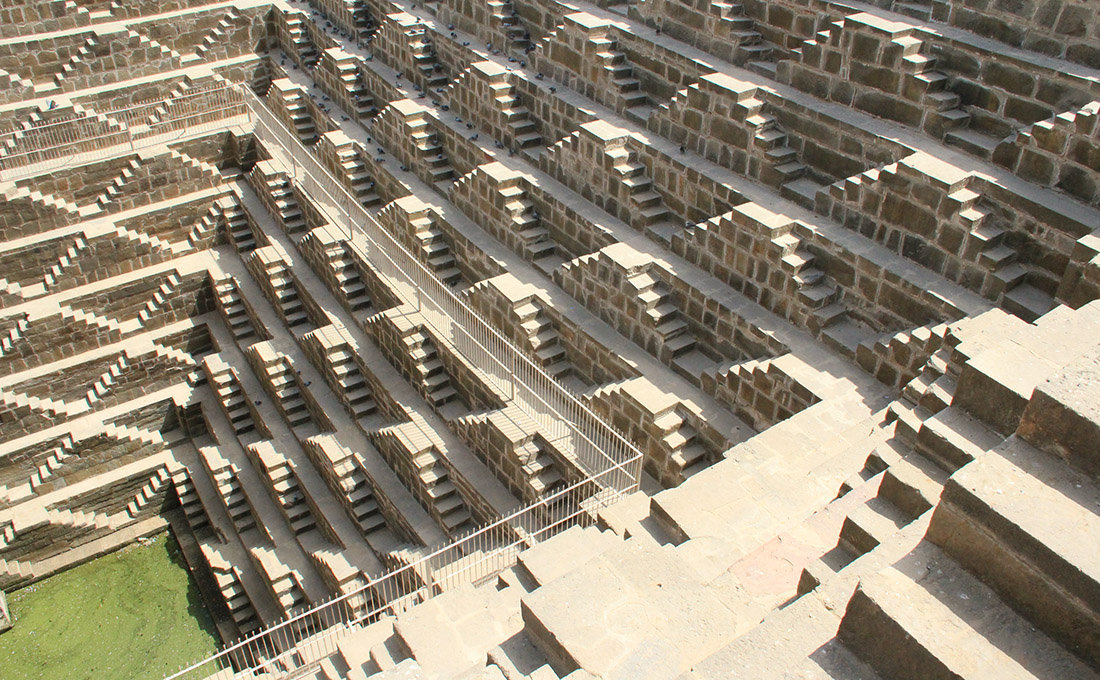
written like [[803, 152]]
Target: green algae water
[[135, 613]]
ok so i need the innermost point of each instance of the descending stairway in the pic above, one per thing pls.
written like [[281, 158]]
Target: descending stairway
[[223, 380], [294, 101], [344, 476], [535, 239], [284, 486], [750, 45], [226, 480], [239, 229], [429, 152], [228, 298], [423, 54], [353, 388], [55, 460], [647, 208], [446, 502], [232, 590], [681, 439], [301, 46], [190, 502], [219, 35], [516, 116], [627, 88], [285, 387], [359, 180], [350, 283], [286, 292], [435, 251], [543, 475], [289, 213], [348, 74], [661, 314], [504, 15], [544, 340], [153, 491], [433, 378]]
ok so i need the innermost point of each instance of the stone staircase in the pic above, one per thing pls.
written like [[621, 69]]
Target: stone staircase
[[97, 49], [685, 453], [283, 485], [424, 59], [65, 262], [288, 212], [348, 481], [153, 176], [543, 340], [543, 474], [782, 168], [239, 229], [352, 386], [750, 46], [154, 491], [292, 99], [14, 83], [302, 48], [190, 502], [504, 15], [206, 230], [223, 380], [516, 116], [281, 580], [646, 207], [359, 180], [661, 313], [163, 296], [446, 502], [55, 460], [10, 338], [434, 250], [282, 384], [619, 73], [226, 478], [227, 296], [536, 240], [434, 382], [285, 290], [429, 152], [230, 585], [347, 72], [930, 87], [219, 35]]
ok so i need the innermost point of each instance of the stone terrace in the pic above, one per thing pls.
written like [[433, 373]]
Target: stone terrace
[[831, 266]]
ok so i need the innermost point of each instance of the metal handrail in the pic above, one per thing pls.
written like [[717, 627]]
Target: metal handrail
[[306, 638], [31, 149], [472, 336], [611, 463]]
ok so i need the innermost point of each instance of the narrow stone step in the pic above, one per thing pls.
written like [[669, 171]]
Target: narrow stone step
[[927, 618]]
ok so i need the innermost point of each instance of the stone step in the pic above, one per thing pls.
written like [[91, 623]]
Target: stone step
[[913, 485], [952, 438], [928, 618], [570, 549], [1015, 517], [869, 525]]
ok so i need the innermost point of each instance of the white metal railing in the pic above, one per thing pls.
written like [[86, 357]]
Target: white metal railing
[[303, 640], [32, 149], [611, 464], [564, 417]]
